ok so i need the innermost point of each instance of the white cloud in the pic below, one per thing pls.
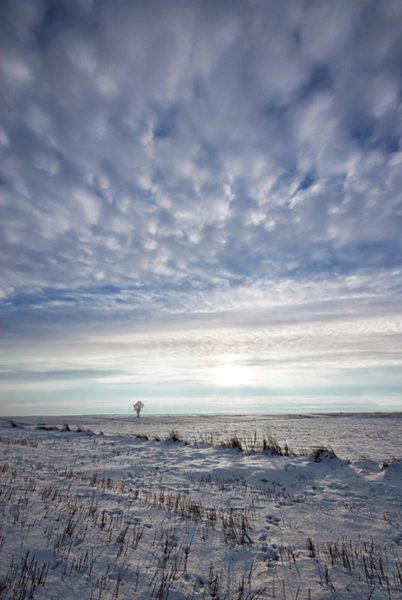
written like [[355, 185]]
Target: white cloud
[[89, 205], [200, 158]]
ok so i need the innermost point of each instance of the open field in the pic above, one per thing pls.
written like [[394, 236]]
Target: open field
[[199, 507]]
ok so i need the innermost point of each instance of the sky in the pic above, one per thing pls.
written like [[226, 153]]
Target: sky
[[201, 206]]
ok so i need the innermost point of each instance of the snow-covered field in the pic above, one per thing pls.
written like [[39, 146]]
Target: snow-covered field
[[92, 510]]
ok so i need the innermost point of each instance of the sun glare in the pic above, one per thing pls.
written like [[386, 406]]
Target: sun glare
[[230, 374]]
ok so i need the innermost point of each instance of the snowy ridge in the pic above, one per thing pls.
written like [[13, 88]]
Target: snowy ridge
[[92, 510]]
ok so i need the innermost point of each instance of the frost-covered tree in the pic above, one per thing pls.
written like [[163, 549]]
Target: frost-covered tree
[[138, 406]]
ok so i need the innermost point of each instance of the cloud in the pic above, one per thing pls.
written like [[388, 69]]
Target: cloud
[[174, 160], [307, 355], [23, 376]]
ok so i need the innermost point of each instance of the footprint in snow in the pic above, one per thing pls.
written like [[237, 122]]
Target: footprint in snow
[[199, 584], [78, 541], [115, 511], [273, 520], [268, 553]]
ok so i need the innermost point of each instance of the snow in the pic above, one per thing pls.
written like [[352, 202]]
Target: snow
[[102, 509]]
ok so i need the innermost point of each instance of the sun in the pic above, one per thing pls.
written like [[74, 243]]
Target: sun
[[231, 374]]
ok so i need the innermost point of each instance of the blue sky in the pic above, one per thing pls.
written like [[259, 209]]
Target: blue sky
[[201, 205]]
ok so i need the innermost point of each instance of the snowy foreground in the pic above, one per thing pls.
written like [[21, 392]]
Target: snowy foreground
[[89, 509]]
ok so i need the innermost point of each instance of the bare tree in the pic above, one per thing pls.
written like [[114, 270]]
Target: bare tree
[[138, 406]]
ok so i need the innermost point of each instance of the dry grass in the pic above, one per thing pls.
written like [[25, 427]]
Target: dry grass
[[173, 436], [321, 452]]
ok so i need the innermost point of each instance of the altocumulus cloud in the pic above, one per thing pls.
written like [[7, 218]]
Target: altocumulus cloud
[[222, 179]]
